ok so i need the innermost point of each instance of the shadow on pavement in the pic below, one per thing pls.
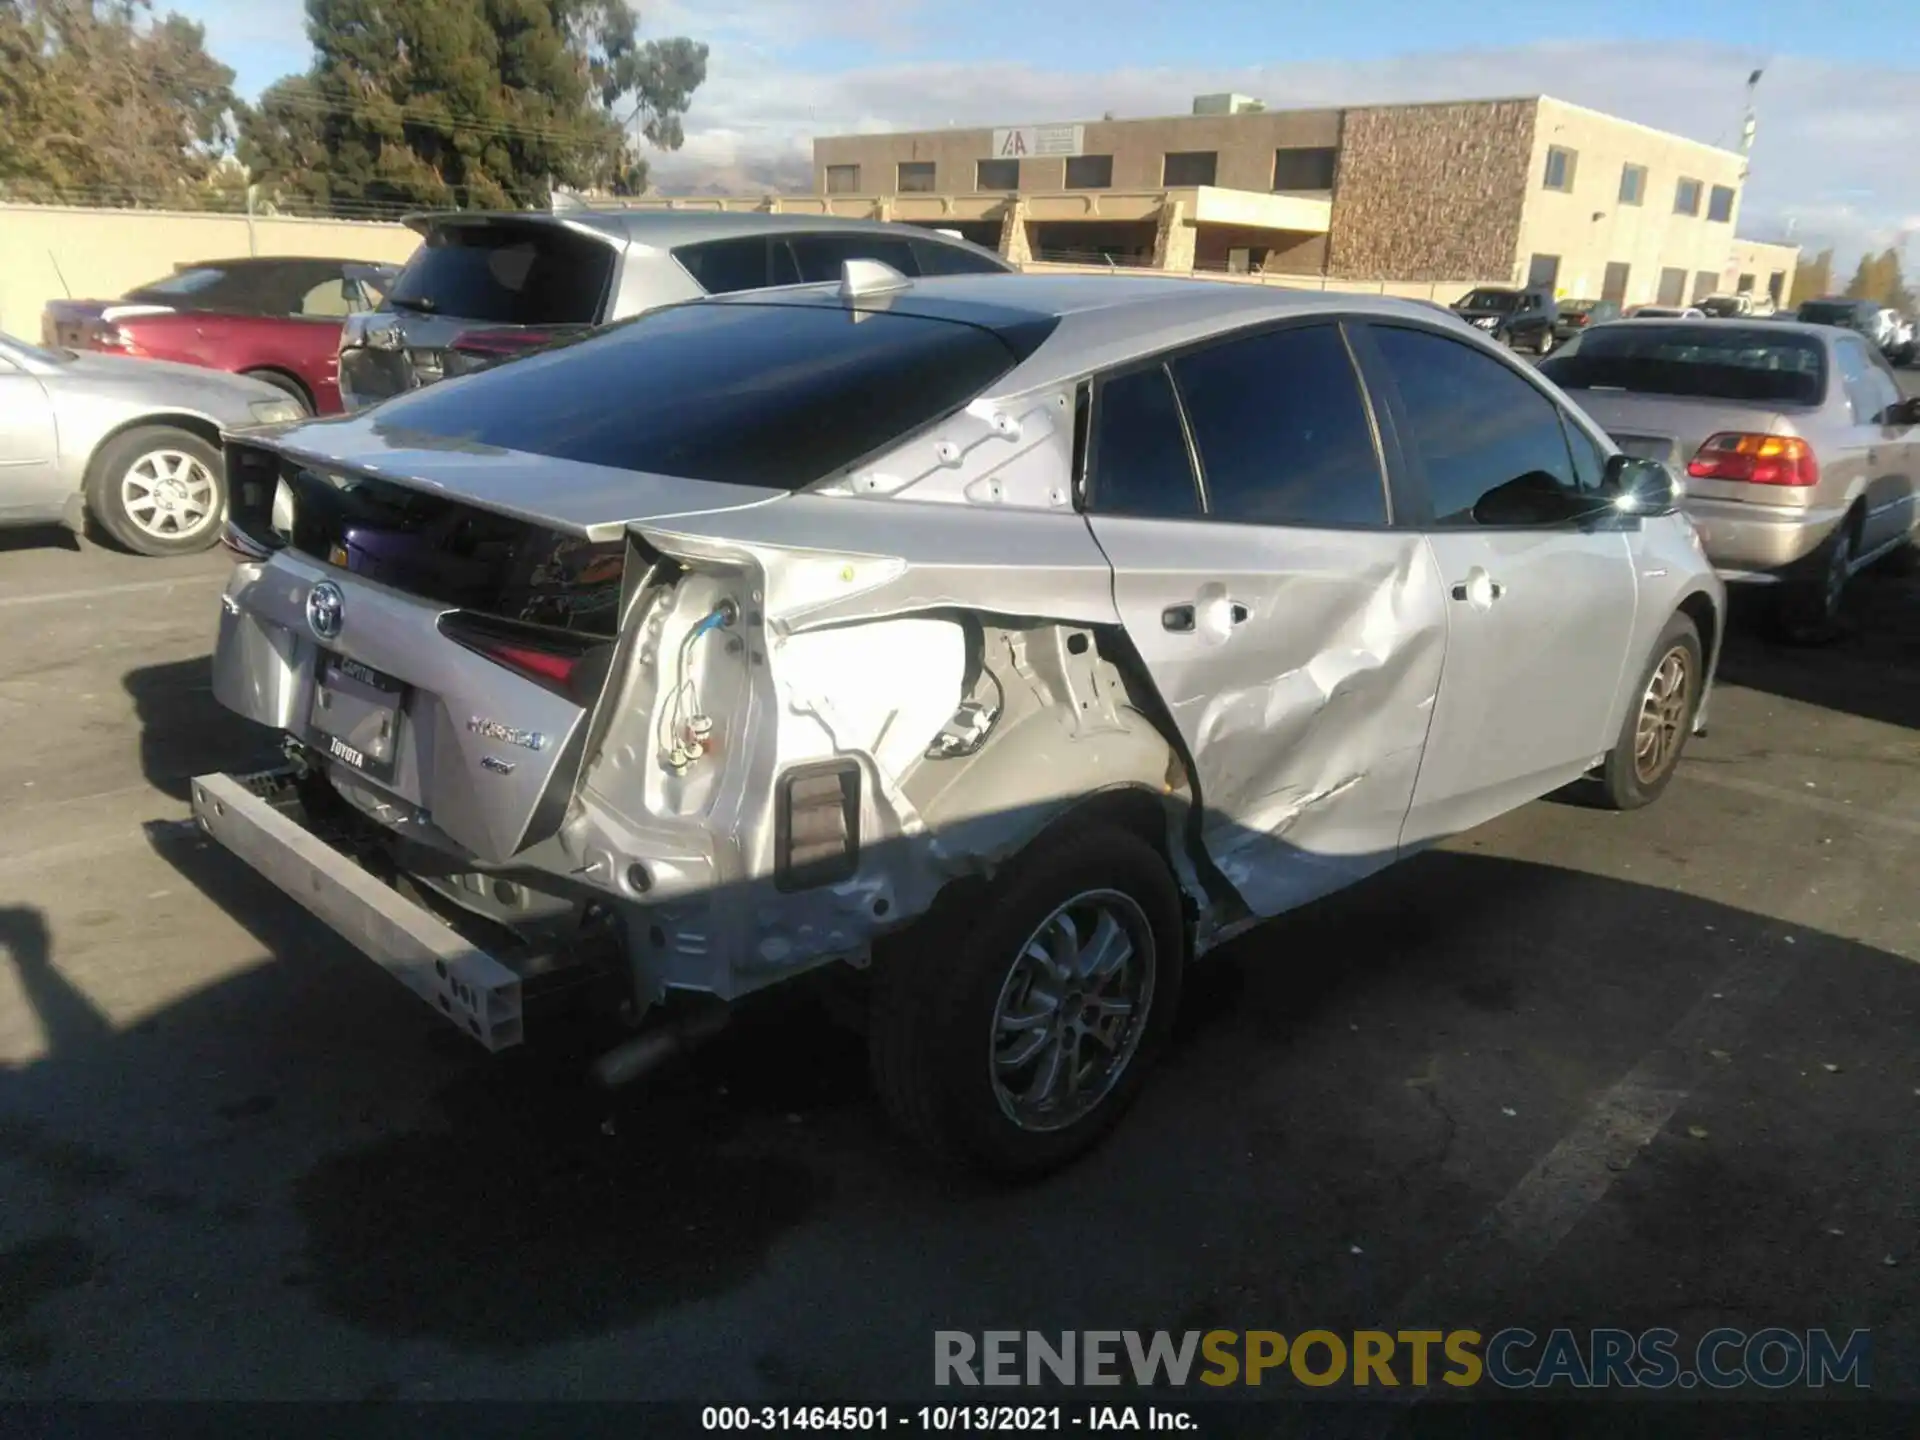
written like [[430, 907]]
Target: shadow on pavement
[[1349, 1091], [185, 732], [38, 537], [1871, 670]]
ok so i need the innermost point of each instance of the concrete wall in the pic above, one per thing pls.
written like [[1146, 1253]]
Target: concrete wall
[[1589, 226], [49, 252], [1243, 143], [1431, 192]]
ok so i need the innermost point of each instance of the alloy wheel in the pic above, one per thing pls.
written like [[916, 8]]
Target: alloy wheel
[[169, 494], [1072, 1010], [1663, 715]]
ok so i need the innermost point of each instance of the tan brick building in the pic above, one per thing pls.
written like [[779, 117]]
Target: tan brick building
[[1526, 189]]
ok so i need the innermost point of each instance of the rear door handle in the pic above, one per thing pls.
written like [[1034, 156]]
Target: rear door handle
[[1479, 588]]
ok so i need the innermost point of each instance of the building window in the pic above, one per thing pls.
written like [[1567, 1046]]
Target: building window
[[1633, 184], [1560, 163], [1720, 203], [1777, 285], [996, 175], [1543, 273], [843, 179], [1744, 285], [1704, 284], [1686, 197], [1614, 286], [1303, 168], [1089, 172], [915, 177], [1673, 287], [1193, 167]]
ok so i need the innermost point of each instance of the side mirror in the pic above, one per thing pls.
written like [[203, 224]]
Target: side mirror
[[1635, 486]]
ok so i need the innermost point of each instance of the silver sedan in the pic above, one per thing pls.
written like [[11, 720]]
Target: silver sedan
[[133, 443]]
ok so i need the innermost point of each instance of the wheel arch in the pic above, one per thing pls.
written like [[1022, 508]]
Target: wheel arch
[[303, 390], [198, 426]]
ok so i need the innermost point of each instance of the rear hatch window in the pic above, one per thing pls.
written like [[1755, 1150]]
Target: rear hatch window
[[1492, 302], [507, 273], [774, 395], [1748, 364], [1815, 314]]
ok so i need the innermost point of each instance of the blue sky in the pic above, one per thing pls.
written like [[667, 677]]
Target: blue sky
[[1838, 154]]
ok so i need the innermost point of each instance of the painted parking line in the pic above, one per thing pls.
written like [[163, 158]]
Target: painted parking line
[[1858, 814], [104, 592]]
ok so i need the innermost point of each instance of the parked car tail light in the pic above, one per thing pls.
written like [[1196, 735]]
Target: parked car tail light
[[104, 335], [816, 825], [561, 661], [1756, 459]]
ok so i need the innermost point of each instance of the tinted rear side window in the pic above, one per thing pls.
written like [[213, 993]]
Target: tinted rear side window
[[508, 274], [1140, 461], [1282, 430], [773, 395], [938, 259], [822, 256], [726, 267], [1753, 363]]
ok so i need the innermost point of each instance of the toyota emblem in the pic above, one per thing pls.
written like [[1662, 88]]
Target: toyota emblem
[[326, 609]]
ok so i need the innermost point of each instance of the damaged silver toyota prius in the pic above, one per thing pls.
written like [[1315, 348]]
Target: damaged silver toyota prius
[[987, 647]]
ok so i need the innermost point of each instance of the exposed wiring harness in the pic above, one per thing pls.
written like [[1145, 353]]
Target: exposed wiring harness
[[684, 732]]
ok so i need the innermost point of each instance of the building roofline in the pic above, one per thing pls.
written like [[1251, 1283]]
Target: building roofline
[[1536, 98]]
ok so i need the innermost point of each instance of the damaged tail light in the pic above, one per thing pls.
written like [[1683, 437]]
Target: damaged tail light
[[565, 662]]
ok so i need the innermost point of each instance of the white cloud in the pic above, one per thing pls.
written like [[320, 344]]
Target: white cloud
[[1832, 156]]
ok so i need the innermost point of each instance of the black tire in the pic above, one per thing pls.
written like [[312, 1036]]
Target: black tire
[[1624, 783], [1810, 605], [147, 534], [1544, 345], [285, 384], [934, 1012]]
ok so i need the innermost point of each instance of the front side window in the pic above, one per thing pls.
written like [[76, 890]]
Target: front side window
[[1140, 462], [1282, 430], [1720, 203], [1560, 163], [1089, 172], [1194, 167], [1686, 197], [1491, 445]]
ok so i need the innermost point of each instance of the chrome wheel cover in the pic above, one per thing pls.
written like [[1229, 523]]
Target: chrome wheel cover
[[1072, 1010]]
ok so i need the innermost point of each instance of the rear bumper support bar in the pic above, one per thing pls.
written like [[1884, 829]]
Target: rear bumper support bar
[[465, 984]]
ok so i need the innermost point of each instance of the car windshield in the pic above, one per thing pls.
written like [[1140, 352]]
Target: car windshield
[[1706, 363], [1577, 307], [1720, 305], [770, 395], [1816, 313], [1501, 300]]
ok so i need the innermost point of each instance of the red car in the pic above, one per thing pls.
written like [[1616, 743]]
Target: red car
[[275, 318]]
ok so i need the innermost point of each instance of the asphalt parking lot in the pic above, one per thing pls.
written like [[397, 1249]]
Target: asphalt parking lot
[[1575, 1068]]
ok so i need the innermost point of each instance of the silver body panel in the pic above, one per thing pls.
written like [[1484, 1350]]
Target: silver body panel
[[58, 408], [1335, 707]]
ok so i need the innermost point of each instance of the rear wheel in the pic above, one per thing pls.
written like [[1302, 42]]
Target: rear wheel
[[1647, 750], [1807, 609], [1017, 1047], [1546, 343], [158, 490]]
